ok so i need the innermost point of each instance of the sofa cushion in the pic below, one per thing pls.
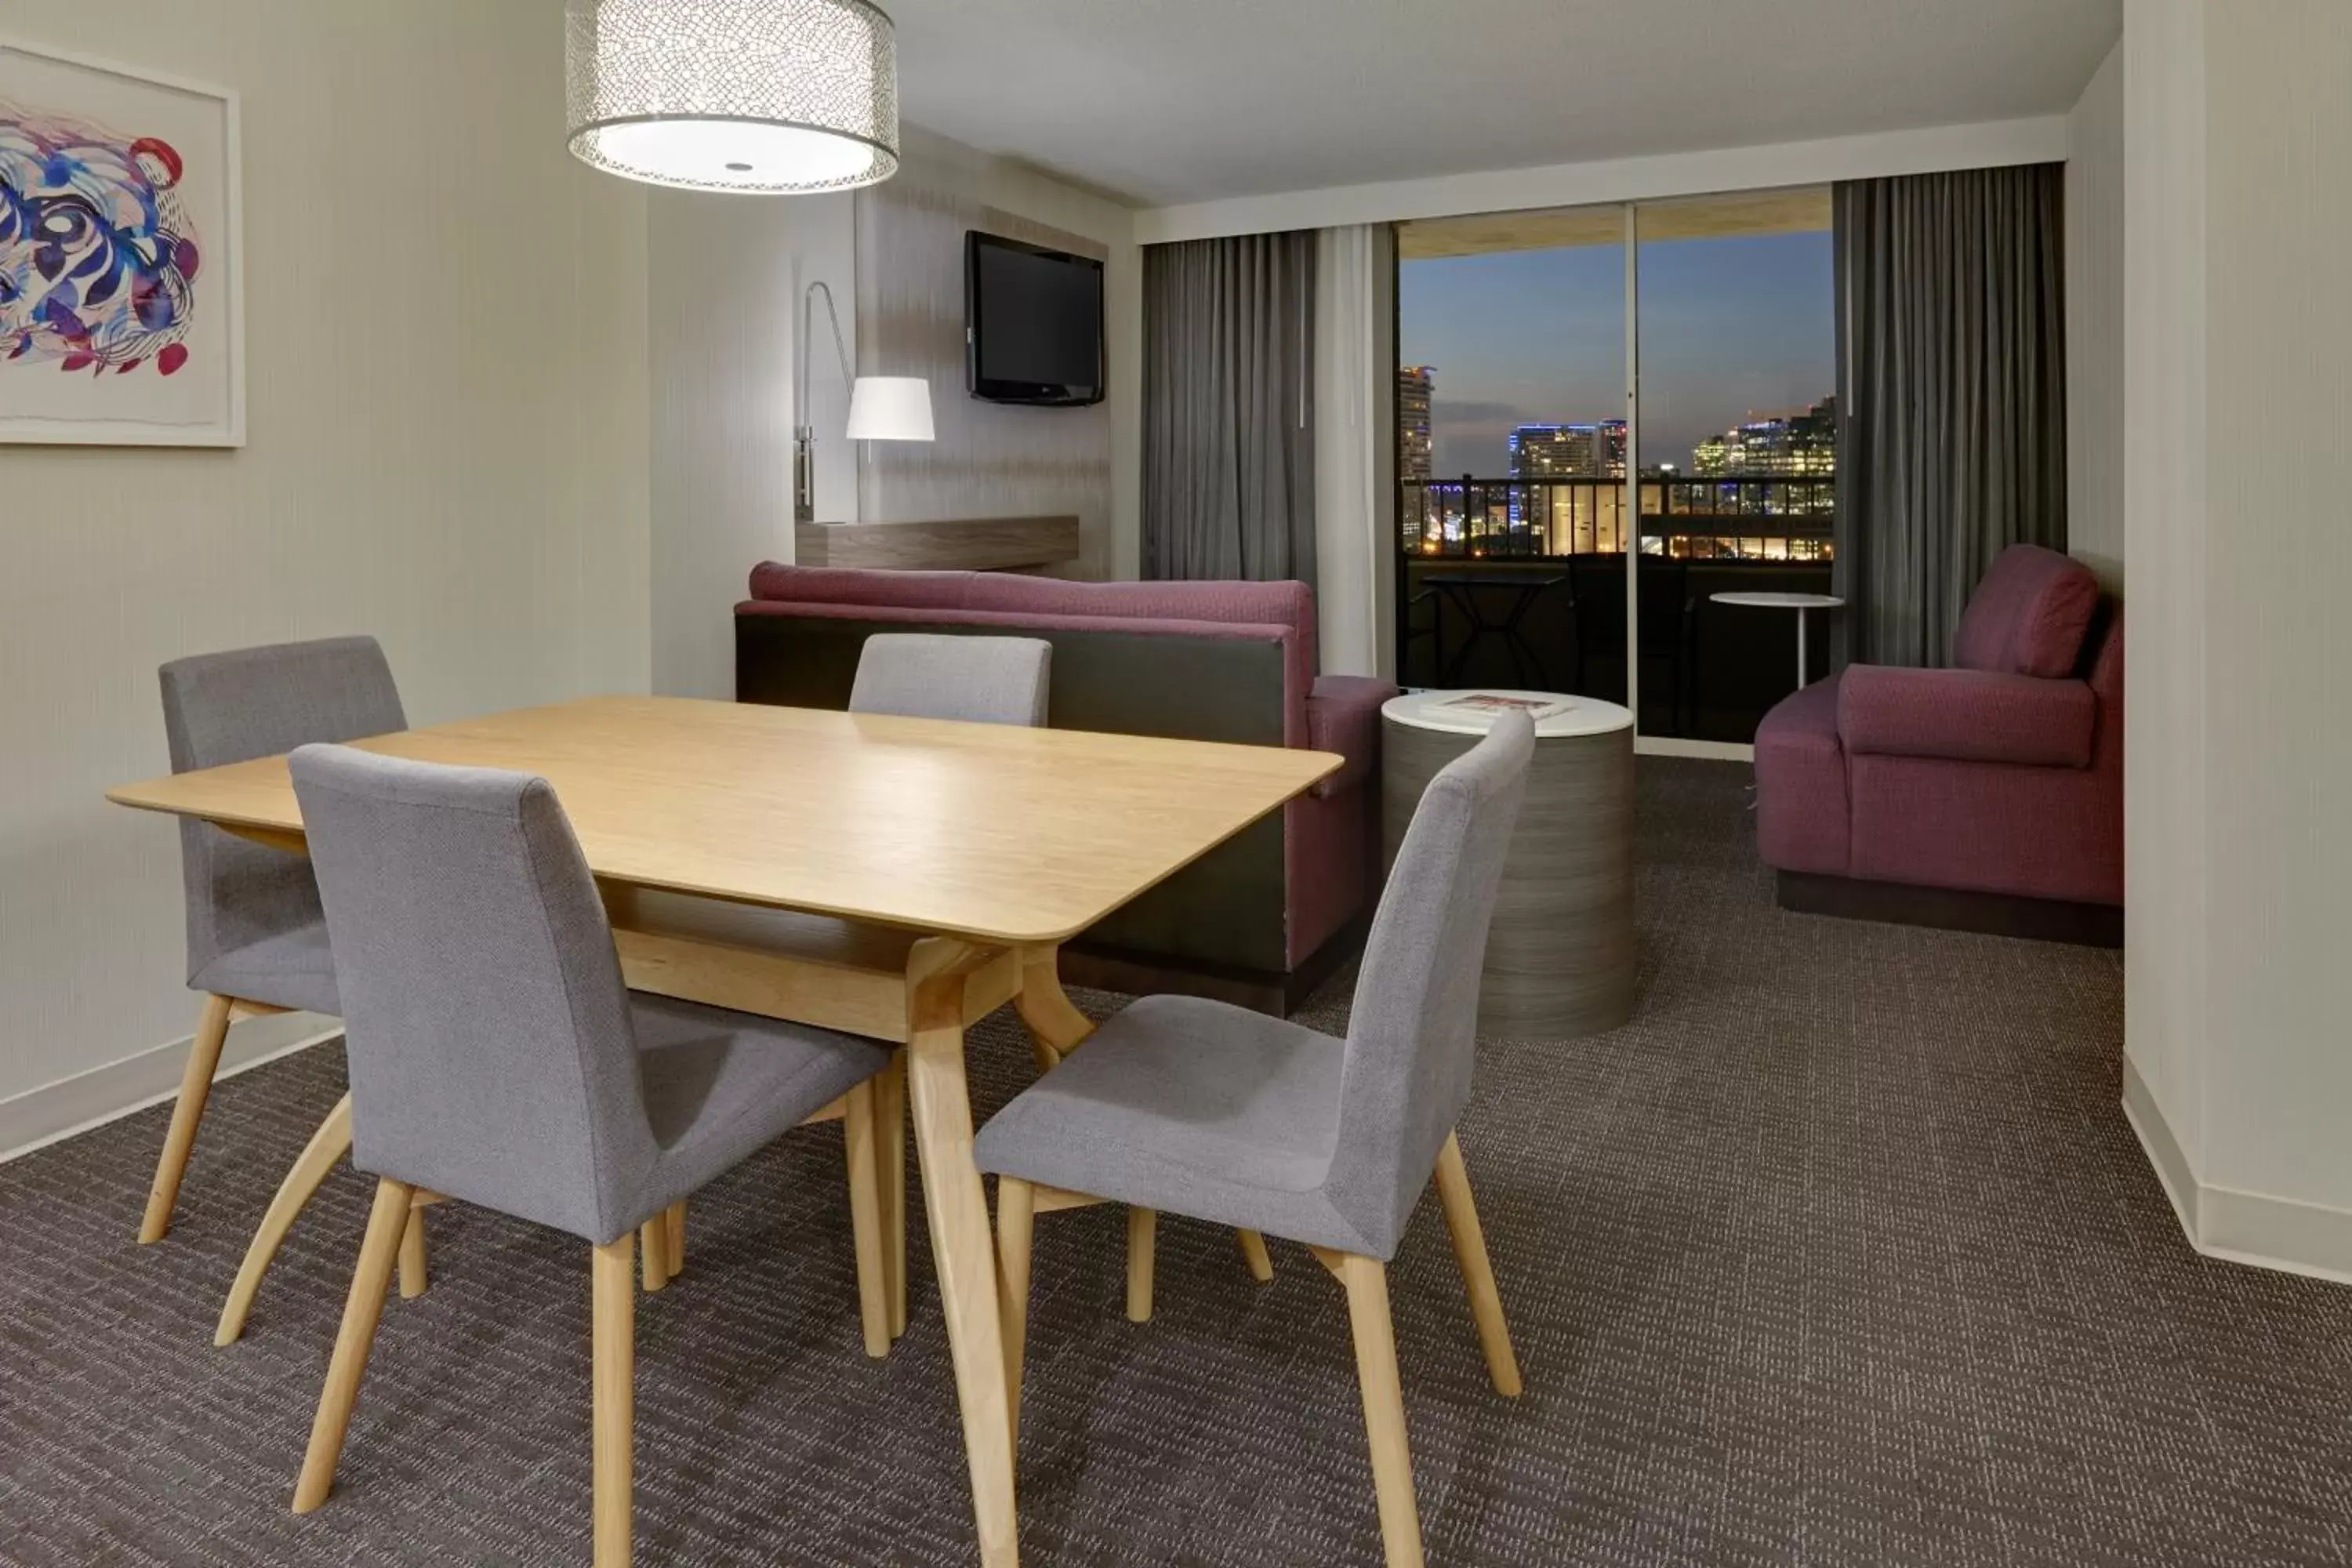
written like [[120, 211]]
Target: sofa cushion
[[1966, 715], [2028, 615]]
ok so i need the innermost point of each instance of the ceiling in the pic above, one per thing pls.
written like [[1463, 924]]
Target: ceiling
[[1165, 102]]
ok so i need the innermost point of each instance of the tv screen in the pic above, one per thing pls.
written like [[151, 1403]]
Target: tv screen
[[1033, 323]]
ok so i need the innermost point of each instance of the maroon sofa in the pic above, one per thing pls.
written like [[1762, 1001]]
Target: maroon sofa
[[1989, 796], [1258, 920]]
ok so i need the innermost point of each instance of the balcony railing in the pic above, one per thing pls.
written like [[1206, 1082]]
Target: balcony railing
[[1749, 518]]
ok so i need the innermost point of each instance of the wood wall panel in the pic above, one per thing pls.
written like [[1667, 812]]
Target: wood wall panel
[[989, 460]]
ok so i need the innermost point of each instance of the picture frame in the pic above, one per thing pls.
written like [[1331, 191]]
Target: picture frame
[[122, 255]]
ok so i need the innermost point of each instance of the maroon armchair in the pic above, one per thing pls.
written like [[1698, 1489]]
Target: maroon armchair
[[1987, 796]]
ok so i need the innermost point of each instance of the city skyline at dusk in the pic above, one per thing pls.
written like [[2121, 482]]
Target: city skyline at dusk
[[1733, 330]]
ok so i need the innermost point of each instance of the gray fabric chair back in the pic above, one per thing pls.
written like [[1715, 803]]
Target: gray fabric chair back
[[1411, 1034], [492, 1056], [928, 675], [222, 707]]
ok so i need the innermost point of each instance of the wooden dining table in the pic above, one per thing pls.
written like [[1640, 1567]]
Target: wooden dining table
[[898, 878]]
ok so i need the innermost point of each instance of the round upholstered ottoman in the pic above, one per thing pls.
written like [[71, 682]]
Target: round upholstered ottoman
[[1559, 956]]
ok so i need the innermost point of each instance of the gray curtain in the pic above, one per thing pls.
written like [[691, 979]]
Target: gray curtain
[[1951, 397], [1229, 408]]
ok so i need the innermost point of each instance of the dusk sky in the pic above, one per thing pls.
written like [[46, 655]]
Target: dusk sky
[[1731, 328]]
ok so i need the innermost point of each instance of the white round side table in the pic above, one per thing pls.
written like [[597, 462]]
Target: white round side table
[[1800, 603], [1560, 954]]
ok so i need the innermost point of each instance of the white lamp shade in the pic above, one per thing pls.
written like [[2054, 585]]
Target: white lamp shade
[[891, 408], [771, 96]]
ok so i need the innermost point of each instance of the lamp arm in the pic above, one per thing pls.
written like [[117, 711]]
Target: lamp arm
[[840, 347], [803, 422]]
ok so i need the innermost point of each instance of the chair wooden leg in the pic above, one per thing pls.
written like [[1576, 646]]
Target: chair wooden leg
[[1367, 1283], [326, 1149], [866, 1224], [613, 1379], [890, 1146], [653, 1249], [1254, 1253], [412, 1257], [195, 1085], [386, 1222], [676, 1226], [1016, 1220], [1142, 1229], [1477, 1274]]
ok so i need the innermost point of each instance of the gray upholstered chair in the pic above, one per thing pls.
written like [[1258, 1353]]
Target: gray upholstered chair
[[926, 674], [1205, 1110], [256, 939], [929, 675], [498, 1058]]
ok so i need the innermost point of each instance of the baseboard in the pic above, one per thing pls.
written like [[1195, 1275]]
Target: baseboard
[[72, 1105], [2173, 1173], [1706, 751], [2232, 1225], [1950, 908]]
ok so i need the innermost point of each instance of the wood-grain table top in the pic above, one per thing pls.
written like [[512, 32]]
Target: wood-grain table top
[[996, 832]]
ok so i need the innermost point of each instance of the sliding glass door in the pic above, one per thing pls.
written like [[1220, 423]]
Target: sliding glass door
[[1512, 450], [1735, 367], [1574, 494]]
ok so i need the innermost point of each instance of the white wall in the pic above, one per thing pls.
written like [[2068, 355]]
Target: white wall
[[725, 280], [447, 370], [2240, 855], [2095, 324]]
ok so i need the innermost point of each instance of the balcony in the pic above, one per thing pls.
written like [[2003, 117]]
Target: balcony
[[1522, 583]]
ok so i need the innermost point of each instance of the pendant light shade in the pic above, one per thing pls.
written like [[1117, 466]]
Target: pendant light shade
[[772, 96]]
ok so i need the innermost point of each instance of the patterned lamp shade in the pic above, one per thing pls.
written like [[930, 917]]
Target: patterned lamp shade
[[770, 96]]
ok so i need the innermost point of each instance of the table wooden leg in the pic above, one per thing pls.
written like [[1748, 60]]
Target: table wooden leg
[[1056, 1024], [962, 1244]]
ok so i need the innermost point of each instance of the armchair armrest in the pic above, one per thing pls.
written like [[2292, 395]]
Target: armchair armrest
[[1343, 715], [1967, 715]]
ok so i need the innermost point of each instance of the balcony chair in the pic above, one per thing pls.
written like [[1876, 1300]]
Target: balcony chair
[[497, 1058], [1205, 1110]]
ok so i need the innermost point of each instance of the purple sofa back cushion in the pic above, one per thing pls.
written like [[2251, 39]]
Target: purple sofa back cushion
[[2029, 615], [849, 585]]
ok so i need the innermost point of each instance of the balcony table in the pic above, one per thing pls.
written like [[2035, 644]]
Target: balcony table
[[1461, 589], [1800, 603], [894, 877]]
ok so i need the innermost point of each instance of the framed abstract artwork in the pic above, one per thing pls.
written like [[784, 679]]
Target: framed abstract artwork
[[121, 296]]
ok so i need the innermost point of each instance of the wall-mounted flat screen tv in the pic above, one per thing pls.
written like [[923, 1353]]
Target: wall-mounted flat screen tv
[[1033, 323]]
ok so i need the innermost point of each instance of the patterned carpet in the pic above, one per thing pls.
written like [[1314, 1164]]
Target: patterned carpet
[[1842, 1253]]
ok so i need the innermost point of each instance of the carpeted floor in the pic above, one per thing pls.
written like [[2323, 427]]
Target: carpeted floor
[[1842, 1253]]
